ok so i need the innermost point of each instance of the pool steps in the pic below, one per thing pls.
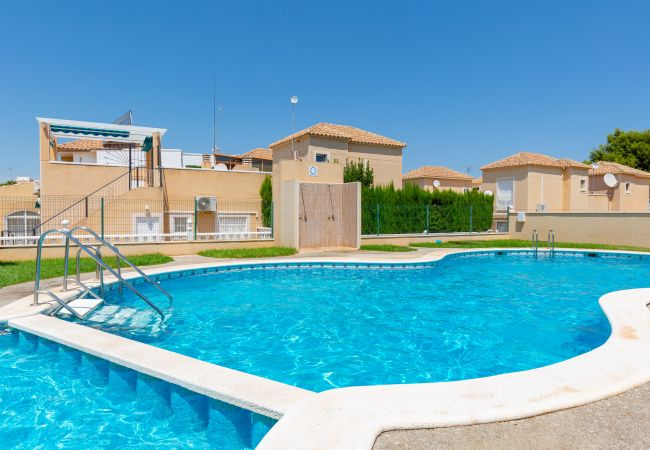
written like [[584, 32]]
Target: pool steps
[[221, 421], [82, 307], [257, 394]]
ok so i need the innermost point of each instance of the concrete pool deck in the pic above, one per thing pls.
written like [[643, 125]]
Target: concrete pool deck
[[487, 435]]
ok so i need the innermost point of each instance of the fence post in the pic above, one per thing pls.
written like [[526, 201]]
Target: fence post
[[101, 207], [271, 218], [428, 215], [195, 214], [377, 219], [470, 219]]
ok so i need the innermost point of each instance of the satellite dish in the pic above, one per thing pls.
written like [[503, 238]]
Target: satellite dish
[[610, 180], [488, 193], [436, 183], [221, 167]]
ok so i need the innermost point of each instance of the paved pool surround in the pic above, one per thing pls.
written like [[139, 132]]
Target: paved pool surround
[[352, 418]]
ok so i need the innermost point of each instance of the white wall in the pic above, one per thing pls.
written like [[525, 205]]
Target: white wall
[[175, 158], [171, 158]]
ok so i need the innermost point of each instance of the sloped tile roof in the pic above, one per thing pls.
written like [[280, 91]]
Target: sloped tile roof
[[81, 145], [533, 159], [436, 172], [347, 132], [86, 145], [617, 169], [259, 153]]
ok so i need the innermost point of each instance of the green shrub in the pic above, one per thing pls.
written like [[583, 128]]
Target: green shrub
[[357, 171], [266, 193], [386, 210]]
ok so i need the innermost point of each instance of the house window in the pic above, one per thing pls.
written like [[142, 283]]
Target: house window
[[178, 222], [231, 223], [147, 228], [22, 223], [583, 185], [502, 227], [505, 193], [322, 157], [628, 187]]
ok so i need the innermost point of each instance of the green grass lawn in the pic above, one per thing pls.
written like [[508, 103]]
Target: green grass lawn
[[387, 248], [14, 272], [262, 252], [519, 243]]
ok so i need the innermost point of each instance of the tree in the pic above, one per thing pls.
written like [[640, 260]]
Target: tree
[[266, 193], [357, 171], [631, 148]]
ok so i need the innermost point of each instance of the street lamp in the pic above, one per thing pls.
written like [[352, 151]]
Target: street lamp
[[294, 100], [594, 166]]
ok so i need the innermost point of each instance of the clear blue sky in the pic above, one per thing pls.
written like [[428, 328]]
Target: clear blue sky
[[462, 82]]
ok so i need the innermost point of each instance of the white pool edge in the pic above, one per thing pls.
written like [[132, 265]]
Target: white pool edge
[[352, 418]]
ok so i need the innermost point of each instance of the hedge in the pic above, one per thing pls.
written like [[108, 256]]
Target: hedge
[[386, 210]]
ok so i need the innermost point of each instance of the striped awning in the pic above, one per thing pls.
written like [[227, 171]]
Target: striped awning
[[85, 131]]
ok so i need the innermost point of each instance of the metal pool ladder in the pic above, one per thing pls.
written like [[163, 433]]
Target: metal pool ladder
[[535, 242], [88, 300], [551, 241]]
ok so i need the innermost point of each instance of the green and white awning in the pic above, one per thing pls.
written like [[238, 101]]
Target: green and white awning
[[85, 131], [101, 131]]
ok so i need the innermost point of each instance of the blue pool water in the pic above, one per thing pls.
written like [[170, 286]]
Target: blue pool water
[[55, 397], [325, 327]]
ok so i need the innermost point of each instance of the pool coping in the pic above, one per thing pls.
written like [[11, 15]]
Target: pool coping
[[353, 417]]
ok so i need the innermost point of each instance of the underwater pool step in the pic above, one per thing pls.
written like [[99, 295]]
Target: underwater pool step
[[122, 316], [81, 306]]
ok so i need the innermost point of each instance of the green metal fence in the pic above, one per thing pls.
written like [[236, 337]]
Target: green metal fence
[[132, 220]]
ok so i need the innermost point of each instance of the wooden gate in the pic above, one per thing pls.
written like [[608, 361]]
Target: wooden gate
[[328, 215]]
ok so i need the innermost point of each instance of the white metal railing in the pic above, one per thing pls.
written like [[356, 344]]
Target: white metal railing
[[264, 233]]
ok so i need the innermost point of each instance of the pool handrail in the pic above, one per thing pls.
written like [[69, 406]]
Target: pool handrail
[[70, 237], [121, 257]]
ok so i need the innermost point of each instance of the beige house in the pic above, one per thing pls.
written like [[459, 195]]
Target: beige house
[[326, 143], [631, 192], [19, 209], [119, 179], [438, 178], [536, 182]]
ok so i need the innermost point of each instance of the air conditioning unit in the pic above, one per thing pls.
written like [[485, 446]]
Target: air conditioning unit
[[541, 207], [206, 204]]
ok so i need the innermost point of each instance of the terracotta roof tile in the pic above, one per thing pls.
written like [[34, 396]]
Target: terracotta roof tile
[[436, 172], [533, 159], [617, 169], [347, 132], [86, 145], [259, 153], [81, 145]]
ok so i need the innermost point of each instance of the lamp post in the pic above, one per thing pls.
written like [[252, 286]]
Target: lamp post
[[294, 100], [594, 166]]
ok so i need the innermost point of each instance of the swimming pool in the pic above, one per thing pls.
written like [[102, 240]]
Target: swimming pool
[[322, 326], [54, 396]]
